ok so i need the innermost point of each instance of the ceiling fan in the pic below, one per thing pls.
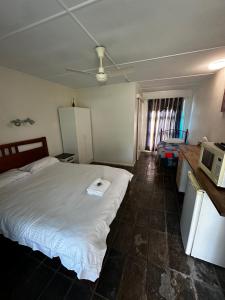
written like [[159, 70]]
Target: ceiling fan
[[101, 75]]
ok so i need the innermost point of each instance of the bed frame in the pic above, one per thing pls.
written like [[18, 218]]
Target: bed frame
[[18, 154], [166, 134]]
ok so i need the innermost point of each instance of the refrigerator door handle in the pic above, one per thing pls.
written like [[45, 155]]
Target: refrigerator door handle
[[194, 182]]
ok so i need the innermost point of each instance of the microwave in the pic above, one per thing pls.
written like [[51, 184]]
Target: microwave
[[212, 162]]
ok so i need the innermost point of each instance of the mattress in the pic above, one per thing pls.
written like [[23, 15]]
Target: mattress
[[50, 211]]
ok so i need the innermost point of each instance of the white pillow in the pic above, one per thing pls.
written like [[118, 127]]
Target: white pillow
[[40, 164], [174, 141], [11, 176]]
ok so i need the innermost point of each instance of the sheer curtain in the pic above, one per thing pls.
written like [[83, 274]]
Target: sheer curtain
[[163, 114]]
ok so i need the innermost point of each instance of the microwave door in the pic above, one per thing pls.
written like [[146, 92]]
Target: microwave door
[[190, 212], [207, 159]]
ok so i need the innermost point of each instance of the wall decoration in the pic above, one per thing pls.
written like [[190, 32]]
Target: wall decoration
[[19, 122]]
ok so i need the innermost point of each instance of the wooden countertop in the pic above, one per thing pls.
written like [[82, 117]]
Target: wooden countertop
[[217, 195]]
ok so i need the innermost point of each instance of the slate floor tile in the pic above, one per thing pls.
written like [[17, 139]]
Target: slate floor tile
[[173, 223], [142, 200], [34, 286], [68, 273], [124, 238], [221, 276], [205, 292], [168, 181], [158, 283], [178, 260], [140, 242], [157, 220], [9, 263], [205, 272], [171, 202], [37, 255], [133, 282], [157, 250], [6, 287], [98, 297], [157, 201], [142, 217], [57, 288], [25, 267], [110, 276], [52, 262], [181, 287], [78, 292], [129, 213]]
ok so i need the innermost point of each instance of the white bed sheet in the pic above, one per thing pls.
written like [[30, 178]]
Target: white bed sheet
[[51, 211]]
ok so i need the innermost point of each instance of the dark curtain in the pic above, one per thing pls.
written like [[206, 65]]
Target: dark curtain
[[163, 114]]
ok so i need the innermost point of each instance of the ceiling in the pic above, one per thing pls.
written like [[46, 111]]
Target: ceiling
[[169, 43]]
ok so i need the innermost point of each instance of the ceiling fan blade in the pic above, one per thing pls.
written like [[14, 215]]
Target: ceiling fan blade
[[122, 71], [79, 71]]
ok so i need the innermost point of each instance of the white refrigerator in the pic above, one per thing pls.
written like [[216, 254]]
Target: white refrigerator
[[202, 228]]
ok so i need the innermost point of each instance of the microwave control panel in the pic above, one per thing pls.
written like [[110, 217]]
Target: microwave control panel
[[217, 167]]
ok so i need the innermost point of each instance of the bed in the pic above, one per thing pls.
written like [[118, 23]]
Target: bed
[[50, 210], [168, 147]]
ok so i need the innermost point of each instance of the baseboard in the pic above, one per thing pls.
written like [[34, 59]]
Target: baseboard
[[114, 163]]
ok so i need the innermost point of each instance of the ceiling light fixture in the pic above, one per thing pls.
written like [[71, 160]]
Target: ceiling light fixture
[[218, 64], [101, 77]]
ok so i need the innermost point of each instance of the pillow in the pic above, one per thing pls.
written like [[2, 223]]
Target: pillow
[[174, 141], [40, 164], [11, 176]]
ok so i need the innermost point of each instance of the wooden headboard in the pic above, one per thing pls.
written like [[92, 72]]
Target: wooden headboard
[[18, 154]]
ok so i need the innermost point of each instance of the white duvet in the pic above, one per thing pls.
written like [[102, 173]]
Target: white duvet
[[51, 211]]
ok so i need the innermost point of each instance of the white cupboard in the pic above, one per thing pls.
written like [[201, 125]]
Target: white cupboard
[[75, 124], [202, 227], [182, 173]]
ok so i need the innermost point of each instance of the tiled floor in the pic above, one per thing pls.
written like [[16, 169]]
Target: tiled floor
[[145, 258]]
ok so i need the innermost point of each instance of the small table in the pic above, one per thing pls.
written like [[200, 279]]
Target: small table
[[66, 157]]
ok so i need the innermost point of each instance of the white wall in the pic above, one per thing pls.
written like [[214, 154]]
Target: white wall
[[167, 94], [207, 118], [23, 96], [113, 121], [187, 112], [142, 126]]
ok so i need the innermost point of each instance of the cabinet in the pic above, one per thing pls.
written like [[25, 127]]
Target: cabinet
[[202, 228], [75, 124], [182, 173]]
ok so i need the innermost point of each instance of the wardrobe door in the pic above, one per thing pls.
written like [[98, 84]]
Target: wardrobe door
[[68, 130], [84, 136]]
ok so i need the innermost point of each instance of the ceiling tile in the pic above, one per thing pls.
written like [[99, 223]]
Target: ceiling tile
[[20, 13], [191, 64], [132, 29], [48, 49]]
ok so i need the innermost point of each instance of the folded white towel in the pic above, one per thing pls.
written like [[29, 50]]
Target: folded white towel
[[98, 187]]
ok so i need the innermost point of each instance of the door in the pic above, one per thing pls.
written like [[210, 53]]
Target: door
[[84, 136], [190, 212], [68, 131], [182, 173], [209, 244]]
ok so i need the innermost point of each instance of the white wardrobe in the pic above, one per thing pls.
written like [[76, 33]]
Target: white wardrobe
[[75, 123]]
